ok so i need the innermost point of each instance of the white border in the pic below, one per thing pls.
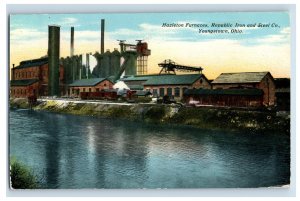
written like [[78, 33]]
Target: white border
[[87, 7]]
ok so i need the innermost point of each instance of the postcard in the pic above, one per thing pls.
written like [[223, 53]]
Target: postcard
[[149, 100]]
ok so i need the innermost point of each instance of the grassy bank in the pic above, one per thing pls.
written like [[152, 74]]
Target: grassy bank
[[207, 118], [21, 176]]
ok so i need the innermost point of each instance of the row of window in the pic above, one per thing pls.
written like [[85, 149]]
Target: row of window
[[84, 90], [19, 91], [29, 74], [25, 75], [169, 91]]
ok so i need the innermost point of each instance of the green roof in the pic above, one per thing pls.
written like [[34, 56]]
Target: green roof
[[173, 79], [87, 82], [23, 82], [135, 78], [244, 92], [244, 77]]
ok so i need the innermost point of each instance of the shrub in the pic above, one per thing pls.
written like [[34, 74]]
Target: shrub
[[21, 176]]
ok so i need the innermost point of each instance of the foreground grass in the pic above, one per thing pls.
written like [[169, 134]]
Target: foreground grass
[[21, 176]]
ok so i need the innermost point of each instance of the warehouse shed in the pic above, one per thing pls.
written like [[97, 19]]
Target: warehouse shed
[[248, 80]]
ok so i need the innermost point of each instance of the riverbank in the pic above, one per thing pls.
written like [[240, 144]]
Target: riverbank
[[205, 118]]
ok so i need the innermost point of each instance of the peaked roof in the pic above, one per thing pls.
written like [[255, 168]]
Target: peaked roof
[[173, 79], [34, 62], [245, 77], [135, 78], [23, 82], [87, 82]]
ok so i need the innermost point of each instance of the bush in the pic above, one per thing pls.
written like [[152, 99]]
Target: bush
[[21, 176]]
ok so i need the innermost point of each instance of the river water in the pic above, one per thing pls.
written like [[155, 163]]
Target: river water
[[67, 151]]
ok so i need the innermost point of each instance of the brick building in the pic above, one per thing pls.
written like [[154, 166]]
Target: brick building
[[224, 97], [175, 85], [171, 85], [89, 85], [248, 80], [31, 78]]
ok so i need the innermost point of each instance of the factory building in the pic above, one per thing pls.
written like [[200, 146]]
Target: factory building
[[43, 76], [171, 85], [135, 82], [175, 85], [89, 85], [248, 80], [31, 77], [224, 97]]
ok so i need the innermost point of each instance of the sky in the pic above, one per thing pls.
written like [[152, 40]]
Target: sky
[[255, 49]]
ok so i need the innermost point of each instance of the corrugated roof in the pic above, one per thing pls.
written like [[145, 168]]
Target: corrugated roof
[[245, 77], [87, 82], [135, 78], [245, 92], [173, 79], [23, 82], [34, 62]]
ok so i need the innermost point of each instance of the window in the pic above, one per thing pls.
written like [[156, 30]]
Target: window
[[183, 89], [90, 89], [177, 92], [154, 92], [169, 92], [161, 91], [97, 89], [201, 81], [83, 89], [105, 84]]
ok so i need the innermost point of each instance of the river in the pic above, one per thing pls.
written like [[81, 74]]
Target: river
[[68, 151]]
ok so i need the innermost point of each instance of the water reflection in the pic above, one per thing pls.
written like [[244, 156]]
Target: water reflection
[[88, 152]]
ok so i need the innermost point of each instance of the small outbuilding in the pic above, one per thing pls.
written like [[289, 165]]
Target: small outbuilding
[[224, 97], [247, 80], [89, 85]]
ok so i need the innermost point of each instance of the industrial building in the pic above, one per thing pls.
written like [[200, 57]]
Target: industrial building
[[31, 77], [171, 85], [248, 80], [55, 76], [40, 77], [224, 97], [89, 85]]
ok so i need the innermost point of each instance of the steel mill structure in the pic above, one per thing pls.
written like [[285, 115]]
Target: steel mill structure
[[55, 76]]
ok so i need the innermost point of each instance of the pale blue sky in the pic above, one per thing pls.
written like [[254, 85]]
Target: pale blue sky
[[31, 31]]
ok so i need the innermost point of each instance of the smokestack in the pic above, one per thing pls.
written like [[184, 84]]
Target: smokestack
[[102, 35], [53, 56], [72, 42], [87, 65], [13, 72]]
